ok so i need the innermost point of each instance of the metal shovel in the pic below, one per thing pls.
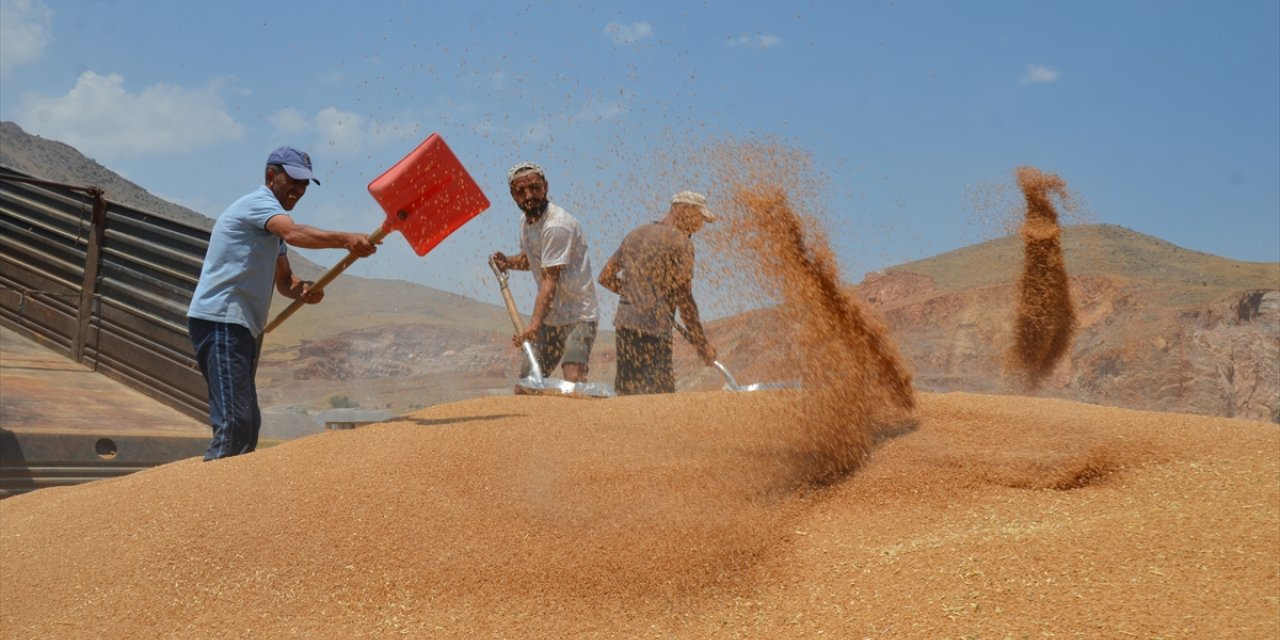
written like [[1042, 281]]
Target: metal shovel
[[536, 383], [730, 383]]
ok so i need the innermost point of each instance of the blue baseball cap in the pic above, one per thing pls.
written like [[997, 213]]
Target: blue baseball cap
[[296, 163]]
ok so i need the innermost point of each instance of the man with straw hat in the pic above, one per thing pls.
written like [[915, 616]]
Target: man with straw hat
[[652, 272]]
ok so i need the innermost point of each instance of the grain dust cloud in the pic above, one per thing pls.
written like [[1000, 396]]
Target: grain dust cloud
[[854, 381], [1045, 320]]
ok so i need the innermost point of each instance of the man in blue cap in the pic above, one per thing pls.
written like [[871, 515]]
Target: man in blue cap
[[247, 256]]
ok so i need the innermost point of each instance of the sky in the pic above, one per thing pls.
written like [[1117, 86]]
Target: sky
[[1161, 116]]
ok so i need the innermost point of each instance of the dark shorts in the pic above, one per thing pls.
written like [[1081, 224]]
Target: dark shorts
[[569, 343], [644, 364]]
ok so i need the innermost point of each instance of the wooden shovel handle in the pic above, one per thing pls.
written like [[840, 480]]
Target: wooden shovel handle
[[516, 321], [325, 279]]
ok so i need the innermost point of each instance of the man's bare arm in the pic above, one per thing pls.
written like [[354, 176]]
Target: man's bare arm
[[307, 237], [547, 286], [693, 323], [505, 262], [609, 276], [292, 287]]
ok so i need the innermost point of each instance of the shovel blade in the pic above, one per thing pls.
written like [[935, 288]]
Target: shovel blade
[[731, 384], [562, 388], [427, 195], [535, 384], [766, 386]]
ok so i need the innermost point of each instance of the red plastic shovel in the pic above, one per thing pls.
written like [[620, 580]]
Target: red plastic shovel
[[426, 196]]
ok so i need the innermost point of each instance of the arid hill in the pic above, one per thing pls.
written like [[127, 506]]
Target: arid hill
[[1161, 327], [59, 162]]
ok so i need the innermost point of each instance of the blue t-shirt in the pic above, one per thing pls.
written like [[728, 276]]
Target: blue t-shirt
[[239, 269]]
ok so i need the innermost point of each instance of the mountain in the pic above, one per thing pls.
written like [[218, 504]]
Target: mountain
[[1160, 327], [58, 162]]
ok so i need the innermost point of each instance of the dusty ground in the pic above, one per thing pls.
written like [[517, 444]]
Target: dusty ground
[[683, 516]]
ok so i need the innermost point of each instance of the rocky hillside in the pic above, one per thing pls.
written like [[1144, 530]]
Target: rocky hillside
[[1160, 327], [58, 162]]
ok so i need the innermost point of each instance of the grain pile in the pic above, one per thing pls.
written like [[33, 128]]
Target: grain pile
[[1045, 320], [671, 516]]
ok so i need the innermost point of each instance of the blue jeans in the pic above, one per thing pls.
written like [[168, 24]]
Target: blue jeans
[[228, 357]]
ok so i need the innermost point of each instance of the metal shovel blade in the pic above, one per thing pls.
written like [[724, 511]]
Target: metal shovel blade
[[535, 384], [556, 387], [731, 384]]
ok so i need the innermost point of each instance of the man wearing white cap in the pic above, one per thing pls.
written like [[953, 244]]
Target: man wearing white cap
[[246, 258], [562, 327], [652, 271]]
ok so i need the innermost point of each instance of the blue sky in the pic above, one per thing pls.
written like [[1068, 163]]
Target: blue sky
[[1163, 117]]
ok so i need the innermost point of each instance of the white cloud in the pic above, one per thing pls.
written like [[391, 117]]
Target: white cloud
[[628, 34], [101, 118], [340, 131], [289, 121], [1038, 73], [24, 32], [405, 127], [762, 41], [345, 132]]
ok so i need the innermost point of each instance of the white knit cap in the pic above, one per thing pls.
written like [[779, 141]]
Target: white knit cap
[[523, 168]]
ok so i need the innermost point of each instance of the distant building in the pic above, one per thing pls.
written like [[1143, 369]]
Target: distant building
[[340, 419]]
